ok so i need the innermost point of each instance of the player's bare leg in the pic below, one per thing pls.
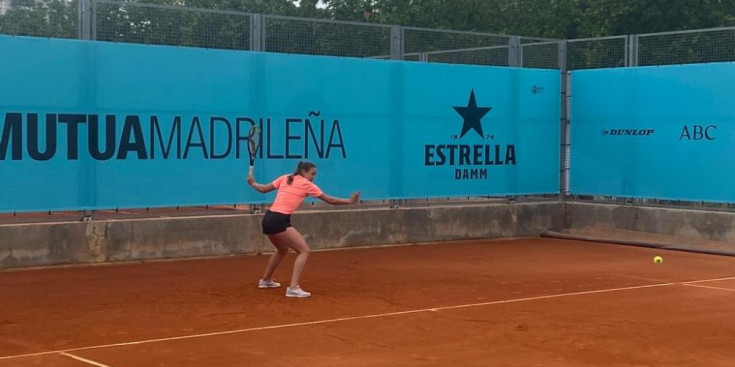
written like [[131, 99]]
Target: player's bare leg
[[294, 240], [275, 258]]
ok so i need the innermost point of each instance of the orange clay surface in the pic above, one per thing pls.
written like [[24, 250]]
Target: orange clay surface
[[527, 302]]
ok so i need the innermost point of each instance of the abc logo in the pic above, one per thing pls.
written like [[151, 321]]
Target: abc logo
[[698, 132]]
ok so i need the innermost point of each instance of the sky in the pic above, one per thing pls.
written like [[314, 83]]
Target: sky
[[320, 5]]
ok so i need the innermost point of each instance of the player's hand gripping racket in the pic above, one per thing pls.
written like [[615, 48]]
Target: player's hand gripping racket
[[253, 145]]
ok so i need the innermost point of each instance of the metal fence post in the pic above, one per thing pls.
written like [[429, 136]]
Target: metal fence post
[[515, 51], [563, 45], [257, 33], [396, 42], [632, 50], [564, 123], [80, 19], [84, 24], [92, 17]]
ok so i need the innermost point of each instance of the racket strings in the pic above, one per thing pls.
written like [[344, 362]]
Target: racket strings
[[253, 139]]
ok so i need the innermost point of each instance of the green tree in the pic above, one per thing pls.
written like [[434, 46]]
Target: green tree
[[618, 17], [352, 10], [275, 7], [49, 18], [545, 18]]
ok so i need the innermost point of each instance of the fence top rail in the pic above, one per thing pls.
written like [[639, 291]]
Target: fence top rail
[[467, 33], [596, 38], [688, 31], [541, 39], [541, 43], [470, 49], [318, 20], [173, 7], [438, 52]]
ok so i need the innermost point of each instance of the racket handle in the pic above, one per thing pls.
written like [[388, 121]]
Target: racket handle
[[250, 172]]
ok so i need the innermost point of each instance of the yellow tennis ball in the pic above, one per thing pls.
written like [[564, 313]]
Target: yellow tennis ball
[[658, 259]]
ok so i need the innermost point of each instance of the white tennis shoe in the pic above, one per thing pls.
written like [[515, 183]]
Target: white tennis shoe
[[268, 284], [297, 292]]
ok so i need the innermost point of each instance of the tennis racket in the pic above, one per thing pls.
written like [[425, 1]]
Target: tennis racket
[[253, 145]]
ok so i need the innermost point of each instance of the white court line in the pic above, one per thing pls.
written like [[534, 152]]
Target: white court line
[[708, 287], [318, 322], [88, 361], [707, 280]]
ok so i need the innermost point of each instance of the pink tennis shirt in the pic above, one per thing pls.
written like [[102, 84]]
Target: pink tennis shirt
[[289, 197]]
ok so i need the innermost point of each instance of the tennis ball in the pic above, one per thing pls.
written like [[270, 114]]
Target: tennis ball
[[658, 259]]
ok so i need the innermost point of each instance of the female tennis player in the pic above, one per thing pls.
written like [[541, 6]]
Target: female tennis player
[[292, 190]]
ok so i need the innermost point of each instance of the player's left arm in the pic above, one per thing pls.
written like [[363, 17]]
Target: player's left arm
[[355, 197]]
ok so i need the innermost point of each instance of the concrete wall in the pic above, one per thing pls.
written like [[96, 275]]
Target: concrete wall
[[41, 244], [26, 245], [687, 223], [681, 229], [44, 244]]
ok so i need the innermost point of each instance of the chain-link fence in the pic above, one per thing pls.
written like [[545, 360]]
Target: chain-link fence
[[433, 45], [41, 18], [540, 53], [667, 48], [125, 21], [325, 37], [689, 47], [133, 22], [593, 53], [118, 21]]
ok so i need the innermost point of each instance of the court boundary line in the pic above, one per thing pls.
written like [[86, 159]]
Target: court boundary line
[[708, 280], [82, 359], [707, 287], [328, 321]]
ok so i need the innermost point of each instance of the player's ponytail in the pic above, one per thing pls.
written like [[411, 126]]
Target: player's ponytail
[[298, 170]]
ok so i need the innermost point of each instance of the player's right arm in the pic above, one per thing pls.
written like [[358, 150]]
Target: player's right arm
[[264, 188]]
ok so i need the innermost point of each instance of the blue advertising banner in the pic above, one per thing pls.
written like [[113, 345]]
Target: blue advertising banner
[[654, 132], [89, 125]]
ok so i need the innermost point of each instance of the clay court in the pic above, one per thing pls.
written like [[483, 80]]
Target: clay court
[[511, 302]]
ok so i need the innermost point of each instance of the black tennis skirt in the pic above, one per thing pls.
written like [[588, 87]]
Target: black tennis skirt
[[274, 222]]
